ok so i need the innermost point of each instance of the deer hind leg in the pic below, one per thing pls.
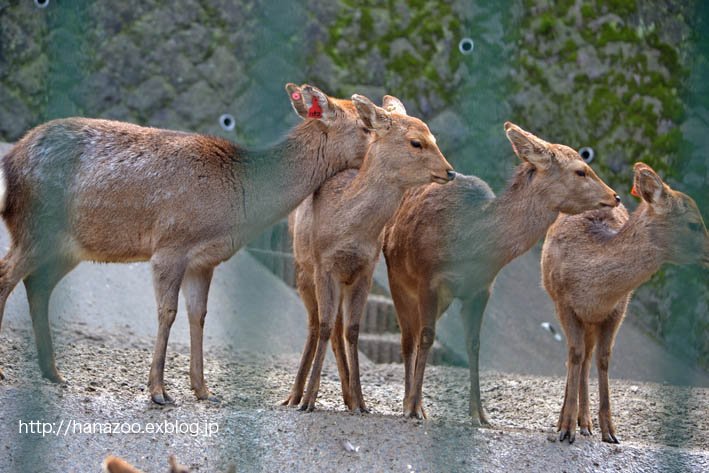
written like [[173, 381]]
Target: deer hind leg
[[168, 270], [337, 342], [12, 271], [39, 286], [328, 295], [354, 300], [589, 343], [606, 337], [574, 340], [472, 316], [307, 294], [195, 289]]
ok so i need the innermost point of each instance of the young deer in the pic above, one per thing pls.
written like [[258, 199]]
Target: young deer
[[81, 189], [449, 242], [337, 239], [590, 265]]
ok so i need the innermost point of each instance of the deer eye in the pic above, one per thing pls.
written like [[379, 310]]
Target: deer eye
[[581, 173], [365, 130], [415, 143], [693, 226]]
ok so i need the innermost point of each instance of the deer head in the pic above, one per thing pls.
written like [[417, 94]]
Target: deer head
[[568, 184], [675, 216], [403, 146], [337, 119]]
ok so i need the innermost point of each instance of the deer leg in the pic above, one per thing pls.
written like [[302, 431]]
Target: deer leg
[[606, 337], [168, 271], [337, 342], [11, 272], [195, 289], [353, 303], [589, 343], [39, 286], [328, 295], [428, 305], [307, 294], [472, 316], [574, 340], [405, 315]]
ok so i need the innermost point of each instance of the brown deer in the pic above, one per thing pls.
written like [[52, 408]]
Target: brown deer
[[117, 465], [337, 239], [592, 262], [82, 189], [449, 242]]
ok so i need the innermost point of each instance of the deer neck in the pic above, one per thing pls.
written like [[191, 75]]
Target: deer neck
[[276, 179], [373, 197], [635, 252], [520, 216]]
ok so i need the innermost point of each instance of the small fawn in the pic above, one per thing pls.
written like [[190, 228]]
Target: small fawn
[[592, 262], [82, 189], [337, 240], [449, 242]]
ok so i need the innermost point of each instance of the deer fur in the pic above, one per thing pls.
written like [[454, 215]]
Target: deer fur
[[449, 242], [83, 189], [337, 240], [592, 262]]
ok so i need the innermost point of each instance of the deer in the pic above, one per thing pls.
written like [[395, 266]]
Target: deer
[[592, 262], [447, 242], [338, 237], [81, 189], [113, 464]]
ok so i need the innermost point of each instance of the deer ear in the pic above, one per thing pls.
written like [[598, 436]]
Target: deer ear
[[650, 186], [373, 117], [318, 105], [393, 105], [528, 147], [296, 100]]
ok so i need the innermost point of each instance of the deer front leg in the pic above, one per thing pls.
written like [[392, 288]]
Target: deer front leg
[[195, 289], [574, 339], [428, 305], [307, 294], [589, 342], [406, 314], [327, 291], [337, 342], [606, 336], [353, 303], [472, 316], [168, 270]]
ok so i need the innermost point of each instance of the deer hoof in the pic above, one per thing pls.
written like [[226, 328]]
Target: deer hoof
[[214, 399], [162, 398], [567, 434], [610, 438], [158, 399], [584, 431], [361, 410], [2, 376]]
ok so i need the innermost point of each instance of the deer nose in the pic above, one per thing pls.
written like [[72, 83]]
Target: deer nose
[[450, 174], [617, 198]]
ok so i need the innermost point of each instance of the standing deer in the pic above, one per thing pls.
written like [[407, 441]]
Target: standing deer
[[592, 262], [337, 239], [82, 189], [449, 242]]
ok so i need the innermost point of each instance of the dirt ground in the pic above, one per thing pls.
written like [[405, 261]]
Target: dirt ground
[[661, 427]]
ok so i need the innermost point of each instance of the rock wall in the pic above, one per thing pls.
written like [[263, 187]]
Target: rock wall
[[627, 78]]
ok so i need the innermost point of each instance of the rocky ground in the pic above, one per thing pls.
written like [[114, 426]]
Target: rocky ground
[[661, 427]]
